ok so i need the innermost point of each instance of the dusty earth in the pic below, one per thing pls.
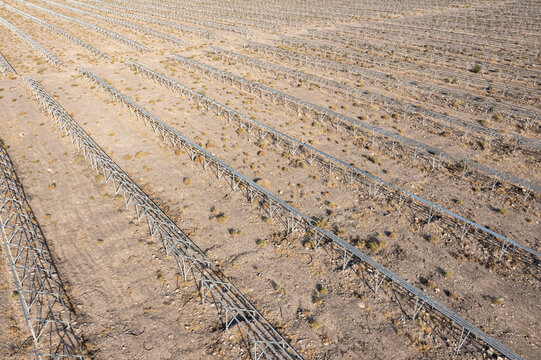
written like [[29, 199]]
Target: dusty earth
[[128, 299]]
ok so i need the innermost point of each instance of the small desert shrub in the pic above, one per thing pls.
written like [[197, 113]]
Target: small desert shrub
[[221, 218], [280, 290], [374, 159], [497, 301], [322, 224], [265, 183], [476, 68], [498, 117], [451, 294], [483, 144], [340, 232], [445, 133], [314, 324], [431, 284], [235, 232], [317, 300], [375, 244]]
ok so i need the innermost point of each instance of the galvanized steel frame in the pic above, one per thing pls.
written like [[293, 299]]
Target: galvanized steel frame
[[191, 260], [293, 219], [349, 174], [60, 32], [416, 86], [5, 66], [408, 146], [39, 288], [33, 44], [134, 44], [142, 29]]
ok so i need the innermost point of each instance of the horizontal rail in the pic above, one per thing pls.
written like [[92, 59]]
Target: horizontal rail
[[186, 17], [33, 44], [142, 29], [525, 93], [148, 19], [326, 158], [450, 60], [415, 146], [386, 80], [292, 216], [39, 288], [5, 67], [134, 44], [190, 258], [60, 32]]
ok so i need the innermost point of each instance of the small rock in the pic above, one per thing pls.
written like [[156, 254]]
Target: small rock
[[362, 305]]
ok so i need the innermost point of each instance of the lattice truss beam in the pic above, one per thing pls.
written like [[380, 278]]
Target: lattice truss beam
[[295, 220], [59, 32], [5, 67], [36, 280], [192, 261], [33, 44], [351, 175], [391, 140], [131, 43]]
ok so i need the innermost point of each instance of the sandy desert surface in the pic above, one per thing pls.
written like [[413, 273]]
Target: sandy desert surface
[[270, 179]]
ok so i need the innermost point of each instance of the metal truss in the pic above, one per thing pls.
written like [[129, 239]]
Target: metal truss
[[294, 219], [408, 146], [233, 15], [402, 50], [5, 67], [188, 17], [416, 86], [300, 105], [53, 60], [469, 79], [38, 287], [320, 112], [134, 44], [213, 284], [224, 22], [142, 29], [349, 174], [451, 40], [148, 19], [438, 29], [483, 47], [60, 32]]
